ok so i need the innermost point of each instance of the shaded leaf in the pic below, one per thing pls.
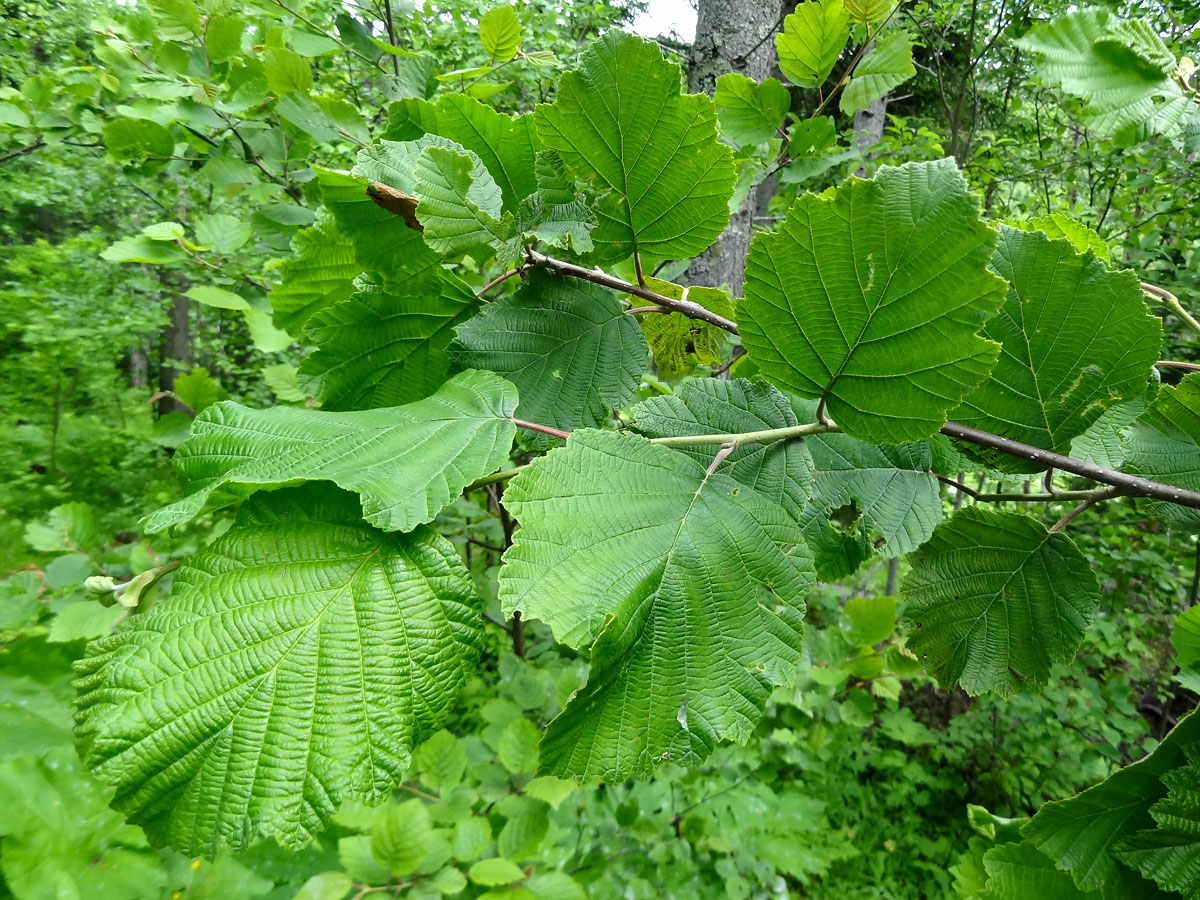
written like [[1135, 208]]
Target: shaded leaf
[[812, 39]]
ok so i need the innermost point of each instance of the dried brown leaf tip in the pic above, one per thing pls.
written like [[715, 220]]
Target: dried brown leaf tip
[[396, 202]]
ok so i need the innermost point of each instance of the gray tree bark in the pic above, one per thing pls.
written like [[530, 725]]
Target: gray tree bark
[[174, 347], [731, 36], [868, 127]]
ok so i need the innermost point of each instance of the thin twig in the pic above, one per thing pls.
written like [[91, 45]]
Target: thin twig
[[1166, 299], [638, 310], [544, 429], [496, 622], [1091, 501], [21, 151], [684, 307], [499, 280], [1176, 364]]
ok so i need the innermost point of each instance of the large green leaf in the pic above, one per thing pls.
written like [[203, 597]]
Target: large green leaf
[[691, 585], [385, 346], [621, 124], [995, 600], [888, 493], [567, 345], [872, 300], [1076, 339], [1164, 445], [295, 665], [405, 463], [1121, 70], [888, 65], [1169, 854], [1080, 833], [812, 39], [1101, 443], [505, 144]]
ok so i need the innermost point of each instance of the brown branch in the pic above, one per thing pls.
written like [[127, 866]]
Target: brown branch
[[683, 307], [1176, 364], [544, 429], [1129, 485], [500, 279]]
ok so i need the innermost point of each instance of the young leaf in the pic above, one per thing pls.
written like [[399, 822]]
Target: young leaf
[[1019, 871], [1080, 833], [386, 345], [871, 299], [294, 666], [505, 144], [887, 65], [812, 39], [460, 203], [651, 153], [500, 33], [406, 462], [1077, 339], [567, 345], [995, 600], [750, 112], [692, 627], [868, 11], [286, 72]]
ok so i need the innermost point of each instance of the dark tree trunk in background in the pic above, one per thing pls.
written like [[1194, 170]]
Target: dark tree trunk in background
[[174, 346], [868, 127], [731, 36], [139, 368]]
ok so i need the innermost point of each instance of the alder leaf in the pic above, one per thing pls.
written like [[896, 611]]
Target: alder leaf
[[1080, 833], [691, 586], [681, 343], [812, 39], [557, 213], [1076, 339], [868, 11], [871, 298], [567, 345], [505, 144], [750, 112], [1169, 854], [320, 273], [1019, 871], [651, 153], [405, 463], [1164, 445], [996, 600], [1120, 70], [385, 346], [893, 492], [295, 665], [500, 33], [888, 65], [461, 206]]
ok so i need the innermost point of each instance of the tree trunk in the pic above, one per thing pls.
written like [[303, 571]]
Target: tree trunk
[[174, 347], [731, 36], [868, 128]]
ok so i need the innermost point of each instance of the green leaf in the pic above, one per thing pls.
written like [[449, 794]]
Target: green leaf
[[1080, 833], [750, 112], [325, 886], [621, 124], [295, 664], [1101, 443], [143, 249], [551, 790], [518, 749], [386, 345], [405, 462], [1170, 853], [400, 840], [471, 837], [567, 345], [130, 142], [320, 273], [995, 600], [283, 382], [1057, 225], [1077, 339], [1120, 70], [1019, 871], [505, 144], [888, 65], [286, 72], [1185, 637], [691, 629], [263, 333], [197, 389], [871, 299], [812, 39], [523, 833], [872, 619], [441, 761], [1164, 445], [681, 343], [868, 11], [216, 297], [500, 33], [461, 206], [222, 233], [495, 871], [223, 37]]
